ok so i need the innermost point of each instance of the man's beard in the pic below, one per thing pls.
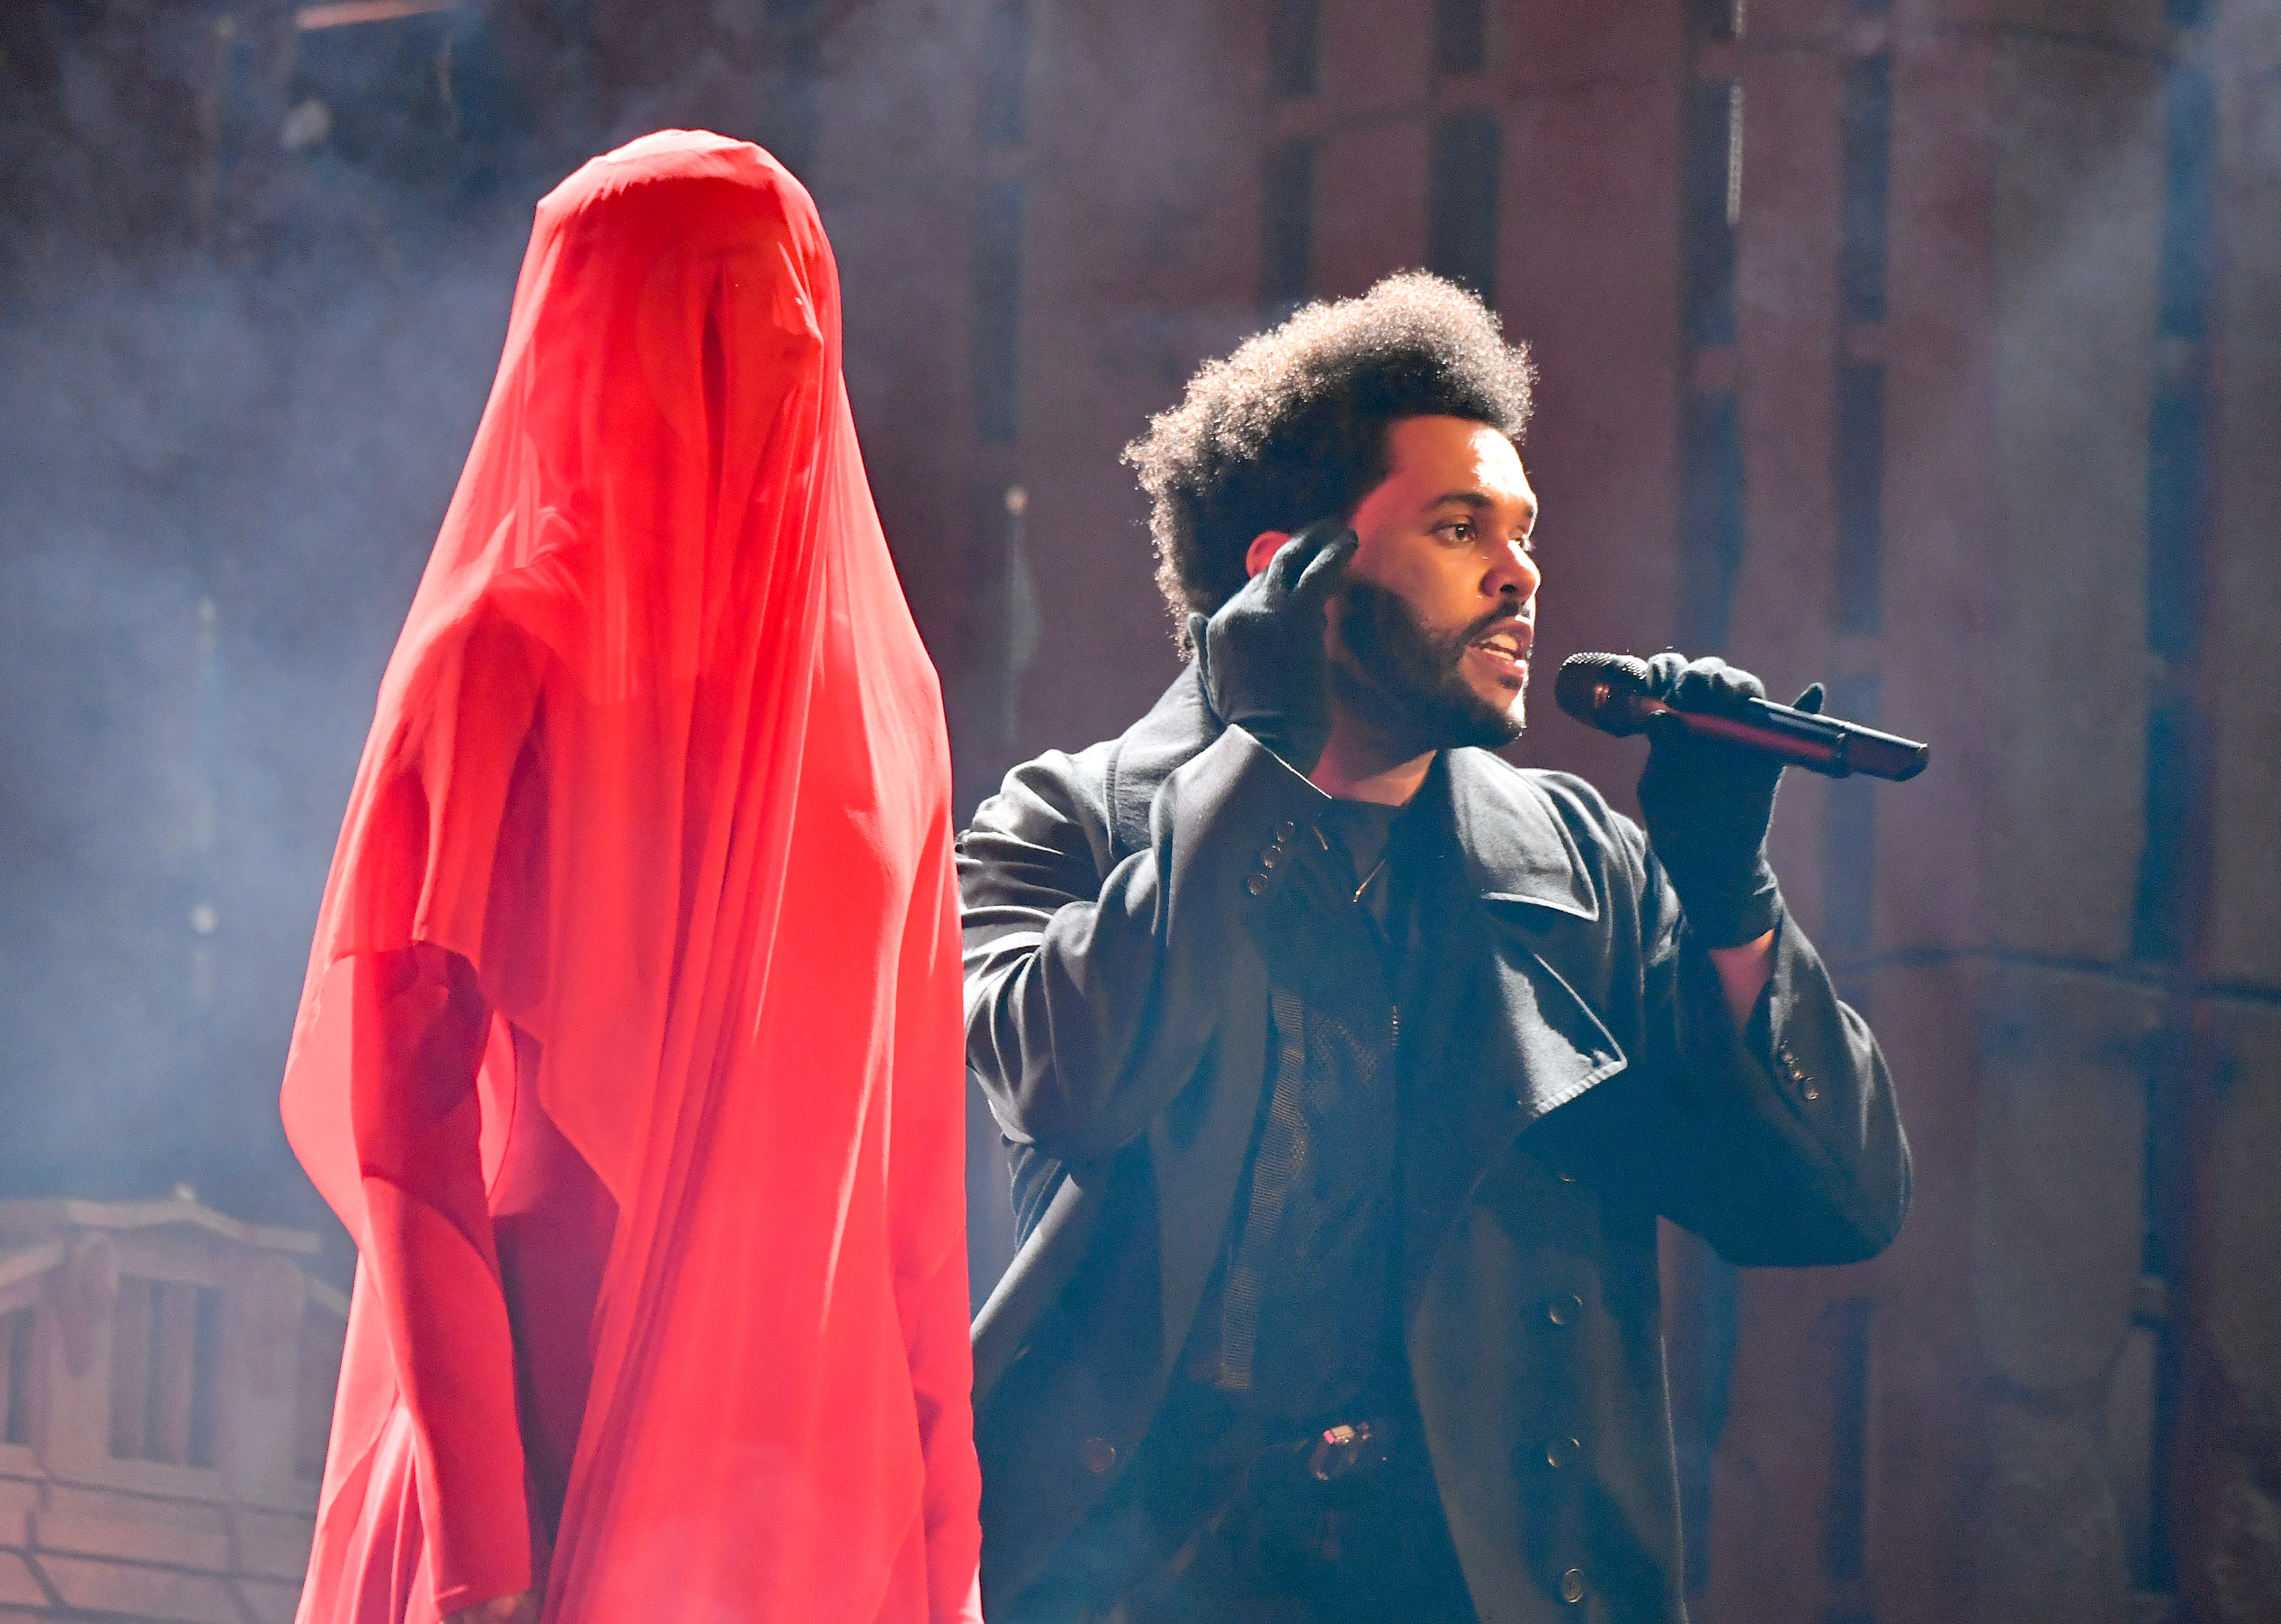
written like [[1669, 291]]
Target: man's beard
[[1405, 683]]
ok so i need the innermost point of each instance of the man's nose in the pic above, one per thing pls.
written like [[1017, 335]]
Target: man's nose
[[1512, 568]]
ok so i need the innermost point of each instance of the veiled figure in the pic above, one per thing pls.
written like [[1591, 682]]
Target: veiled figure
[[631, 1049]]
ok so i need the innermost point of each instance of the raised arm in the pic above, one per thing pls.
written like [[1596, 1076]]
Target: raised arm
[[1091, 995], [1782, 1143], [1094, 990], [1785, 1144]]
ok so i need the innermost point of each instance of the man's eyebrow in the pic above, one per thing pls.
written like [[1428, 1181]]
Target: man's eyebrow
[[1473, 499]]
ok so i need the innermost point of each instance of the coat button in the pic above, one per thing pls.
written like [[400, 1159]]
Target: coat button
[[1572, 1586], [1284, 831], [1563, 1309], [1256, 885], [1269, 858], [1812, 1092], [1099, 1455], [1560, 1451]]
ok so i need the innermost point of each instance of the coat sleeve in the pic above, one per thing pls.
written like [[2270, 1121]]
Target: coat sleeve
[[1094, 991], [1782, 1143]]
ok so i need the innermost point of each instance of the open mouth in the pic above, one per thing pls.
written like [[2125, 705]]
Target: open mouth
[[1506, 647]]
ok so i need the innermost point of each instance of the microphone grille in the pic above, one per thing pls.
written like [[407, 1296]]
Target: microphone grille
[[1598, 690]]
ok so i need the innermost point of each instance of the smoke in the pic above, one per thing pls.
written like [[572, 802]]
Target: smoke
[[253, 283], [237, 378]]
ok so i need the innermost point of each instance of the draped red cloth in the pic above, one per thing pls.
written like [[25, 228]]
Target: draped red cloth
[[630, 1052]]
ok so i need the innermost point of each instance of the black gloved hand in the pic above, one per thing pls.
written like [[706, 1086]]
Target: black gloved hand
[[1708, 802], [1261, 652]]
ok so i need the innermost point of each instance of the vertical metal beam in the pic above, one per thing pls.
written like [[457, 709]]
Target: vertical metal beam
[[1701, 1324], [1287, 227], [1461, 213], [2195, 1407]]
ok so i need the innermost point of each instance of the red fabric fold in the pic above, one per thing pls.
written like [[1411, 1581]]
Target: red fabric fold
[[631, 1049]]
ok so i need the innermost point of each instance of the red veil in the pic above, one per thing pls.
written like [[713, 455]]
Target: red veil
[[642, 922]]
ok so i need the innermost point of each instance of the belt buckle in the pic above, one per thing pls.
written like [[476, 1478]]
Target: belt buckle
[[1351, 1447]]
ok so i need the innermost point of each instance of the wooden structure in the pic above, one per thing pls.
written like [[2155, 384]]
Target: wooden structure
[[168, 1375]]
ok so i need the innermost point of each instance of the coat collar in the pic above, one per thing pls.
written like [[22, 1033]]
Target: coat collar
[[1178, 727], [1517, 850]]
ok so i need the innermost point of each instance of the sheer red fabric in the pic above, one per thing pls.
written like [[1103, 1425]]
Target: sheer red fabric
[[630, 1052]]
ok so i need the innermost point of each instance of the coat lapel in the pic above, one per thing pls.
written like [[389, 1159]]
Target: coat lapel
[[1529, 882], [1508, 1038], [1196, 1148]]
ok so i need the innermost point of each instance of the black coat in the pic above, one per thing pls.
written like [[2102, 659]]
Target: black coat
[[1118, 1019]]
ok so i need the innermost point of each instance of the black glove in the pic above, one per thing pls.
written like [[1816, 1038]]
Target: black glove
[[1708, 802], [1261, 653]]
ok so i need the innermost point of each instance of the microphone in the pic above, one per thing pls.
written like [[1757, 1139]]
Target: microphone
[[1609, 692]]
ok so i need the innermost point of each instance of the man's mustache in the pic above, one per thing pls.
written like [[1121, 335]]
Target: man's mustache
[[1496, 617], [1366, 600]]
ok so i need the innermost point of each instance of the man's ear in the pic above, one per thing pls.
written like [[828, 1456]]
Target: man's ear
[[1263, 548]]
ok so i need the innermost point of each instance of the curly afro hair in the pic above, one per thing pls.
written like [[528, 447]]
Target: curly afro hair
[[1292, 426]]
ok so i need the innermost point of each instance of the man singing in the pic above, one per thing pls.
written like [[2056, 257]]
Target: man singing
[[1346, 1068]]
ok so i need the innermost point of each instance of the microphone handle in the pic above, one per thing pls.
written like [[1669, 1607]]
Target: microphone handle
[[1819, 744]]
